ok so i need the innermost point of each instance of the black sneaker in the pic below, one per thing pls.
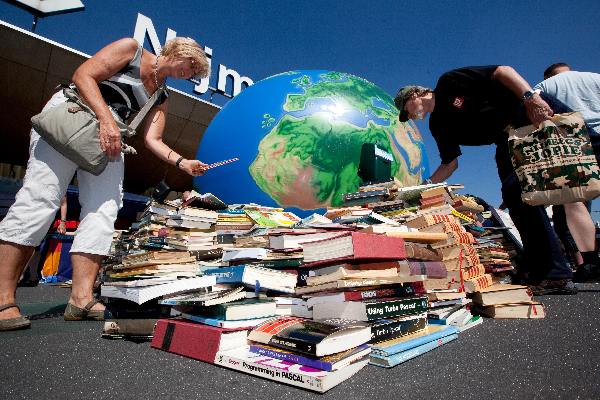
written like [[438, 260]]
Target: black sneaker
[[554, 286], [587, 273]]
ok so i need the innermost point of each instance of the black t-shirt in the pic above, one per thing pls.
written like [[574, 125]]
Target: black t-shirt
[[471, 109]]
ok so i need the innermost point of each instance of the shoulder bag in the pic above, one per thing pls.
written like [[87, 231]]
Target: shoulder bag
[[71, 128]]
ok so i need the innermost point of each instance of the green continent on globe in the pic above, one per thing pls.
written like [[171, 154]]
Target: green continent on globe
[[310, 161]]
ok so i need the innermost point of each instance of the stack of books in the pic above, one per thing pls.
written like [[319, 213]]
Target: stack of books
[[507, 301], [396, 351]]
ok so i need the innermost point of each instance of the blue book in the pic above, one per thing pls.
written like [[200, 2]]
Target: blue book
[[256, 277], [431, 333], [227, 274], [331, 362], [398, 358]]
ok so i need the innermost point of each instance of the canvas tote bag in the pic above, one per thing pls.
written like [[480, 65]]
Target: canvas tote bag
[[555, 163], [71, 128]]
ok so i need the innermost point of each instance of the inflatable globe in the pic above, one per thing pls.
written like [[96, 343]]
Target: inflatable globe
[[298, 136]]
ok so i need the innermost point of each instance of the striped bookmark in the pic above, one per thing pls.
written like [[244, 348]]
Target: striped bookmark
[[219, 163]]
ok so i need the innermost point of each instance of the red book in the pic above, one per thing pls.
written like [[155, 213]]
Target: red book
[[193, 340], [355, 246]]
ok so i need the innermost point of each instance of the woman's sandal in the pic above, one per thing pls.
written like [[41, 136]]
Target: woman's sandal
[[12, 324], [74, 313]]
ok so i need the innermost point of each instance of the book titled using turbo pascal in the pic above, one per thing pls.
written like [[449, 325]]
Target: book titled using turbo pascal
[[370, 310]]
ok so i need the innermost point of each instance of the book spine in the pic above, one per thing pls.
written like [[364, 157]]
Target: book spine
[[273, 369], [293, 358], [414, 343], [396, 308], [395, 329], [399, 358]]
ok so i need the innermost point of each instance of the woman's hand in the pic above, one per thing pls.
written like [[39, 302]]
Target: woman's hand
[[193, 167], [537, 110], [110, 139], [62, 229]]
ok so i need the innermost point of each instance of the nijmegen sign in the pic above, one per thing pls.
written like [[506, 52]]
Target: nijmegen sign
[[144, 28]]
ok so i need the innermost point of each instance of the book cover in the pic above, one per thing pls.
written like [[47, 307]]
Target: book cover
[[398, 358], [314, 338], [431, 333], [243, 360], [355, 245], [386, 329], [444, 227], [502, 294], [327, 363], [370, 310], [197, 341], [418, 252]]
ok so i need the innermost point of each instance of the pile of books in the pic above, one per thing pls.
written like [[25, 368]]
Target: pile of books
[[396, 272]]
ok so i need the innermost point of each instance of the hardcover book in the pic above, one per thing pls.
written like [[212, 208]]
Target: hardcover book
[[297, 240], [369, 310], [241, 359], [502, 294], [357, 246], [432, 269], [531, 310], [443, 227], [455, 251], [314, 338], [197, 341]]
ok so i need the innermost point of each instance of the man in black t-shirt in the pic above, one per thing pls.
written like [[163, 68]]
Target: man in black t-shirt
[[472, 106]]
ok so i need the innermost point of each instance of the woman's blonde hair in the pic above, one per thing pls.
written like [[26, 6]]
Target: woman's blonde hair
[[184, 47]]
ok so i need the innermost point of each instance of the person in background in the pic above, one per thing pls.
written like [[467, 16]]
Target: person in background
[[578, 91], [473, 106], [119, 79]]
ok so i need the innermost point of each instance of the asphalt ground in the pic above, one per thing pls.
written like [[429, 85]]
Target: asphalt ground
[[554, 358]]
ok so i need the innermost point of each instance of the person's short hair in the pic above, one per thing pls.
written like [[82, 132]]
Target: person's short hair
[[184, 47], [550, 71], [406, 93]]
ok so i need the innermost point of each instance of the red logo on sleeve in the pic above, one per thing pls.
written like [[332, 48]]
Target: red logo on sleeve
[[458, 102]]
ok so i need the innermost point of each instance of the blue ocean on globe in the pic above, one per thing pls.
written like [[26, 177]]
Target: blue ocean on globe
[[299, 135]]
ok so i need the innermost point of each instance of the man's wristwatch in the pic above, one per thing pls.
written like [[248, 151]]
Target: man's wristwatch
[[528, 95]]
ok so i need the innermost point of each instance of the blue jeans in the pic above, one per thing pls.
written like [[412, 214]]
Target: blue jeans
[[543, 257]]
